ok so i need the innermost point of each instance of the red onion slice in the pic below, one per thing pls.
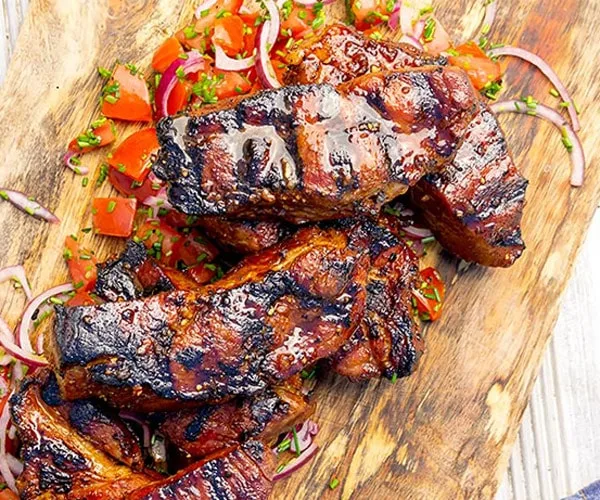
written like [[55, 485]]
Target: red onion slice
[[194, 63], [14, 464], [548, 72], [305, 434], [157, 202], [264, 68], [226, 63], [541, 111], [7, 340], [7, 475], [27, 319], [127, 415], [274, 23], [30, 207], [411, 40], [204, 6], [78, 169], [295, 464], [17, 273], [417, 233]]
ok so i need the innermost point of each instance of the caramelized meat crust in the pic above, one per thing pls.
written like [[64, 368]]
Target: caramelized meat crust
[[342, 53], [314, 152], [474, 206], [201, 431], [388, 340], [58, 461], [241, 473], [278, 312]]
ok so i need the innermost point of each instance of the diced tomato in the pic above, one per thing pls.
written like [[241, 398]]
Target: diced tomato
[[179, 97], [170, 50], [202, 273], [7, 494], [114, 216], [134, 155], [369, 13], [231, 84], [81, 299], [82, 265], [480, 68], [250, 32], [100, 133], [172, 248], [429, 297], [128, 187], [279, 67], [126, 96], [229, 34], [298, 22]]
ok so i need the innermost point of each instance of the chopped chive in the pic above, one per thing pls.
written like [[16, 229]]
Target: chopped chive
[[77, 285], [296, 441], [56, 301], [554, 92], [429, 239], [334, 483], [394, 378], [104, 73], [85, 181], [111, 206], [111, 99], [86, 230]]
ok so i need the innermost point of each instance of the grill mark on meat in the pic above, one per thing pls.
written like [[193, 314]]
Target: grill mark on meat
[[474, 205], [285, 153], [275, 314]]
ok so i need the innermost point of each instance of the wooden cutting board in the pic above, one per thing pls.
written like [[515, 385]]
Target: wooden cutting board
[[447, 431]]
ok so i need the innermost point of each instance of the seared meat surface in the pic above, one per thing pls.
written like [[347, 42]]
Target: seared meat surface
[[474, 205], [314, 152], [241, 473], [341, 53], [58, 461], [244, 236], [387, 341], [201, 431], [276, 313]]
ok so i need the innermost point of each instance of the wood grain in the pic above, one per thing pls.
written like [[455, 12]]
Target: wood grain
[[447, 431]]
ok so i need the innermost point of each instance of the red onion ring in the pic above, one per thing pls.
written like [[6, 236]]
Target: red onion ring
[[204, 6], [157, 202], [17, 371], [78, 169], [417, 233], [7, 340], [194, 63], [541, 111], [274, 23], [547, 71], [32, 307], [294, 465], [127, 415], [30, 207], [14, 464], [7, 474], [226, 63], [17, 273], [6, 360], [264, 68], [305, 434]]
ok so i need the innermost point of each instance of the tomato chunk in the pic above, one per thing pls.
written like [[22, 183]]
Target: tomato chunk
[[134, 155], [114, 216], [369, 13], [164, 56], [179, 98], [101, 133], [81, 264], [229, 34], [81, 299], [480, 68], [126, 96], [297, 20], [202, 273], [128, 187], [429, 297], [231, 83]]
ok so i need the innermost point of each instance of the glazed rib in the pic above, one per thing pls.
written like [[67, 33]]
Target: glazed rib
[[341, 53], [474, 205], [201, 431], [276, 313], [58, 461], [315, 152]]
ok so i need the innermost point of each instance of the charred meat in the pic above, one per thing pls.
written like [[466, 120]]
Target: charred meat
[[314, 152], [58, 461], [474, 205], [278, 312], [202, 431], [387, 342], [342, 53], [241, 473]]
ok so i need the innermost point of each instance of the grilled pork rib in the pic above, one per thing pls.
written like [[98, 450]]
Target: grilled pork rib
[[315, 152], [276, 313], [201, 431], [58, 461], [474, 205], [342, 53]]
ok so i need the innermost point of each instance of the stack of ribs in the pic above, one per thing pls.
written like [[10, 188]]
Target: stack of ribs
[[296, 179]]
